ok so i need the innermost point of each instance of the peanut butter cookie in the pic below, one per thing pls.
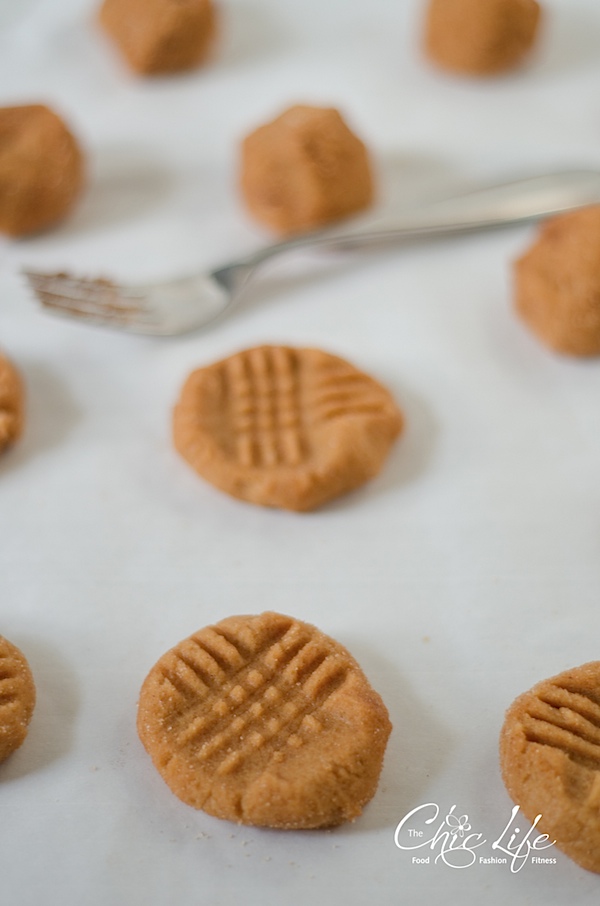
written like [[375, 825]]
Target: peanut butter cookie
[[264, 720], [557, 283], [41, 169], [11, 403], [17, 698], [161, 36], [550, 760], [480, 37], [285, 427], [305, 169]]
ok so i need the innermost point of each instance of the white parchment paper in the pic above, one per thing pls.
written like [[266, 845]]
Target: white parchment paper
[[467, 571]]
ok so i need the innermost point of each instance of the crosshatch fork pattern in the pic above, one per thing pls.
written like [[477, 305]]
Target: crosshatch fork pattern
[[275, 399], [17, 697], [9, 683], [264, 720], [567, 720], [233, 703], [265, 409]]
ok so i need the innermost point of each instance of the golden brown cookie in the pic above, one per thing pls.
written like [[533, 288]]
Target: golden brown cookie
[[17, 698], [480, 37], [550, 760], [11, 403], [305, 169], [285, 427], [265, 720], [161, 36], [557, 283], [41, 169]]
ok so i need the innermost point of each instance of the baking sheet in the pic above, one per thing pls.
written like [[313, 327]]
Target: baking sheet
[[467, 571]]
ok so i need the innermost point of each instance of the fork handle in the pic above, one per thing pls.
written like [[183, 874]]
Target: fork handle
[[485, 208]]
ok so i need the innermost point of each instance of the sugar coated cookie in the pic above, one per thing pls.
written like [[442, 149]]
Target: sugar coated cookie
[[480, 37], [41, 169], [550, 760], [11, 403], [285, 427], [305, 169], [265, 720], [557, 283], [17, 698]]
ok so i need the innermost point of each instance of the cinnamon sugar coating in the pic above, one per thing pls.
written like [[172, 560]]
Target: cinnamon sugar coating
[[480, 37], [305, 169], [11, 403], [557, 283], [285, 427], [550, 760], [161, 36], [17, 698], [266, 721], [41, 169]]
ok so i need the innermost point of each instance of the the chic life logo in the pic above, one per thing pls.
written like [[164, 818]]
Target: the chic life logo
[[433, 838]]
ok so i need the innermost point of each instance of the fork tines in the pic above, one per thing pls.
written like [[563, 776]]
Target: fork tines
[[87, 298]]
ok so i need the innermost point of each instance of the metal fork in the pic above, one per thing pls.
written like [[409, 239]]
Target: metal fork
[[180, 305]]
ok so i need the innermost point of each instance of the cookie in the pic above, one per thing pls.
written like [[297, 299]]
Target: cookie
[[285, 427], [160, 36], [17, 698], [11, 403], [480, 37], [264, 720], [41, 169], [550, 760], [304, 169], [557, 283]]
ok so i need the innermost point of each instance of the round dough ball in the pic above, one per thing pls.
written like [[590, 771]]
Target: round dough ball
[[161, 36], [480, 37], [557, 283], [41, 169], [304, 170]]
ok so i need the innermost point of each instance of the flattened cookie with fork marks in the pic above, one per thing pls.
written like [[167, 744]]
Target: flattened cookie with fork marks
[[264, 720], [17, 697], [285, 427], [550, 760], [11, 403]]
